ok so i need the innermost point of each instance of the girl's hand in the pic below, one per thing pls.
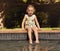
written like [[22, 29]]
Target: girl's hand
[[39, 28]]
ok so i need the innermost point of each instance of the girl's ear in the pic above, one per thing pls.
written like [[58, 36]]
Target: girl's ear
[[34, 10]]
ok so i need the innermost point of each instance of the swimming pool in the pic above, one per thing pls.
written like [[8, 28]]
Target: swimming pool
[[44, 45]]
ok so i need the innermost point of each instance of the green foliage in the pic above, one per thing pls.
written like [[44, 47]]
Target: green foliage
[[43, 17], [13, 18], [25, 1], [48, 15]]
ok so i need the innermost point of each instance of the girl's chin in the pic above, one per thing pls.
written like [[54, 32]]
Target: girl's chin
[[30, 14]]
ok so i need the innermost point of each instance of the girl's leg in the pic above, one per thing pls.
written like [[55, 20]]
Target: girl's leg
[[36, 34], [30, 35]]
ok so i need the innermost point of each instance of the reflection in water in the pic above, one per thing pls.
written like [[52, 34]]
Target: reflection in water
[[36, 47], [25, 46]]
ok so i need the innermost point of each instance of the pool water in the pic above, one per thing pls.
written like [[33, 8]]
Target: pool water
[[44, 45]]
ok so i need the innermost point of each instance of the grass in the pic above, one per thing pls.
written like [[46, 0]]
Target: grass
[[50, 28], [41, 28]]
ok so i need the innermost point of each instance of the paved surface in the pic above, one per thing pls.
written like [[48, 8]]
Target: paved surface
[[25, 46]]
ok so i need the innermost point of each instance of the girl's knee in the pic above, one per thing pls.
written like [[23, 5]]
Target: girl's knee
[[34, 28], [29, 29]]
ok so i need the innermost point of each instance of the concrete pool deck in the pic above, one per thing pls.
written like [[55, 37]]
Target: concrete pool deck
[[20, 34], [19, 30]]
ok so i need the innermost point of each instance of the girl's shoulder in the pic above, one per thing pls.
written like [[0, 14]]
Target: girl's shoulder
[[34, 15], [26, 15]]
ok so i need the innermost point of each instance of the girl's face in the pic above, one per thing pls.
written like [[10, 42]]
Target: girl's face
[[30, 11]]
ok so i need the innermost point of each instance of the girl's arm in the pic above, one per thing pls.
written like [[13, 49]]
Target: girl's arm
[[37, 22], [23, 22]]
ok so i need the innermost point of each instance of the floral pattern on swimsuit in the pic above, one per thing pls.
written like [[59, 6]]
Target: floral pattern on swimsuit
[[29, 21]]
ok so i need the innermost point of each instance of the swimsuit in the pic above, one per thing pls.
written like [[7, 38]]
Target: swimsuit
[[30, 21]]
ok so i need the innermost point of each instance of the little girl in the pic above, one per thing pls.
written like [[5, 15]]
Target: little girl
[[30, 23]]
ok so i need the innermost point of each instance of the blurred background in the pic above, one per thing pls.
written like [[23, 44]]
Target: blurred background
[[47, 11]]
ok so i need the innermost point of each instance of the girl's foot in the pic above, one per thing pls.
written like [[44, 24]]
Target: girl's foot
[[30, 42], [37, 42]]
